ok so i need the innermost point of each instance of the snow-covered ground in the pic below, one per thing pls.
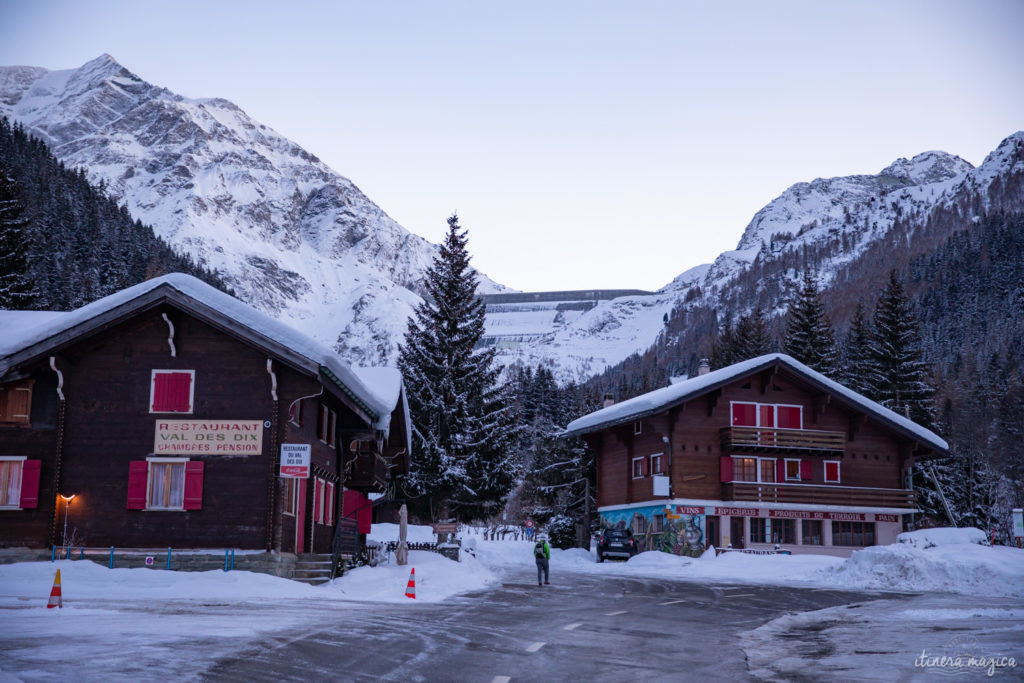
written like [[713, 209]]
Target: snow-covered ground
[[135, 618]]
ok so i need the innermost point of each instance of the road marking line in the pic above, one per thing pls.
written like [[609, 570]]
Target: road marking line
[[501, 679], [572, 627], [739, 595], [673, 602], [535, 647], [615, 614]]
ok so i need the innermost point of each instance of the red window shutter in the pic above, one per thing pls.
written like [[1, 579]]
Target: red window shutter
[[832, 472], [329, 507], [645, 464], [806, 471], [725, 464], [767, 416], [780, 470], [744, 414], [138, 474], [318, 501], [172, 392], [30, 470], [193, 485], [789, 417], [364, 517], [349, 503]]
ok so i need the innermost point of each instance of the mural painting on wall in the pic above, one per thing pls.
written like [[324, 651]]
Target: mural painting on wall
[[683, 535]]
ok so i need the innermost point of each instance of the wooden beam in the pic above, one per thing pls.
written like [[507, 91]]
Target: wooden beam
[[820, 404], [713, 401], [857, 420]]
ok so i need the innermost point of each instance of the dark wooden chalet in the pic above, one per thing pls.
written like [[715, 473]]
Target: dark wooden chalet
[[760, 454], [158, 416]]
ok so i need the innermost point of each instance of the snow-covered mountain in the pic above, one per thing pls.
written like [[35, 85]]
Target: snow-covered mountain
[[849, 213], [289, 234]]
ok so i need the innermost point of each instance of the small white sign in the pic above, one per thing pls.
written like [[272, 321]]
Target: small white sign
[[295, 460], [1018, 522], [660, 485]]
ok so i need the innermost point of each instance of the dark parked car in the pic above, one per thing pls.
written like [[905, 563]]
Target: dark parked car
[[615, 543]]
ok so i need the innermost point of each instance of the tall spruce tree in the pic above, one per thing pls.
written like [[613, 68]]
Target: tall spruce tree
[[748, 339], [858, 367], [900, 375], [809, 334], [17, 292], [464, 423]]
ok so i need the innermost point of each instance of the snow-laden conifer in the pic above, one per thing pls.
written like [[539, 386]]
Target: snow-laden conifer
[[463, 421], [809, 334], [17, 292], [901, 376]]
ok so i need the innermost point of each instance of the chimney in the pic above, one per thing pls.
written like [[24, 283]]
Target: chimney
[[608, 400], [704, 367]]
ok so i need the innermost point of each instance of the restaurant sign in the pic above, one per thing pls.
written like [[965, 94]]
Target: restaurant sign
[[295, 460], [219, 437]]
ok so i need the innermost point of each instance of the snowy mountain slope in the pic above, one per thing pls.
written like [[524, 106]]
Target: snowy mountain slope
[[287, 233], [854, 211]]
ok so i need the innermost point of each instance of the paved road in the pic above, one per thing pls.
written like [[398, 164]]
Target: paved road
[[583, 628]]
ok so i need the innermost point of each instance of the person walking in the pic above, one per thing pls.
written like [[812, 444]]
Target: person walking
[[542, 554]]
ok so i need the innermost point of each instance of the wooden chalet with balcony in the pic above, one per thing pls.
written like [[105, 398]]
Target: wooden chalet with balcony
[[762, 454], [165, 410]]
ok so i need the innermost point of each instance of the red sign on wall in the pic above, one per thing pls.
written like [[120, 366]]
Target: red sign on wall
[[886, 518], [689, 510], [737, 512]]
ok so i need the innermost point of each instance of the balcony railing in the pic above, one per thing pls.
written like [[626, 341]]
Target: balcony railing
[[773, 439], [810, 494]]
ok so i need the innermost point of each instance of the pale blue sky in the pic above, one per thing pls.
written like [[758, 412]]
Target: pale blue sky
[[584, 144]]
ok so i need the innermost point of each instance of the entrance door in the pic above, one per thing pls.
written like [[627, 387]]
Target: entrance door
[[712, 537], [300, 515], [736, 532]]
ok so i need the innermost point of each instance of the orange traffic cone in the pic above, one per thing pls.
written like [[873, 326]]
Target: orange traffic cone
[[410, 591], [55, 598]]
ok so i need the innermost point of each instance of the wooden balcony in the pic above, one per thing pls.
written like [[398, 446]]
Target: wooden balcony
[[810, 494], [365, 472], [766, 439]]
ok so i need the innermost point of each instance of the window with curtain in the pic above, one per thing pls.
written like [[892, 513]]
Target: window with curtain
[[166, 485]]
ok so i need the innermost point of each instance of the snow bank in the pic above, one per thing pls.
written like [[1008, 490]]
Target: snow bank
[[957, 568], [415, 533], [84, 579], [928, 538], [437, 578]]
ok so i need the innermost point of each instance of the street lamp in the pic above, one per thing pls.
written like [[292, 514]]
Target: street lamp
[[67, 504]]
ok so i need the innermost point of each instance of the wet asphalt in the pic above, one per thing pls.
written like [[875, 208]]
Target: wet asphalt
[[580, 628]]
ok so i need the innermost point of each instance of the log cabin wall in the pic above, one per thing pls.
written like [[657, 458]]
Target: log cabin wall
[[36, 440], [109, 425]]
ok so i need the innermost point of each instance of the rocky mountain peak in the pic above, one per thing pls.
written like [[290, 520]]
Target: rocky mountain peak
[[927, 167]]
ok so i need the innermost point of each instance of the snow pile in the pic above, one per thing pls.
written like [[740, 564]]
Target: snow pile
[[86, 580], [437, 578], [957, 568], [929, 538], [415, 533]]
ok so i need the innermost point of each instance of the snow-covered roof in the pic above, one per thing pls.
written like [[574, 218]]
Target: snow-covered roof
[[386, 383], [35, 334], [660, 399]]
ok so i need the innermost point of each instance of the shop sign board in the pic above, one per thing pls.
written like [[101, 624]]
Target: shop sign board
[[816, 514], [736, 512]]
